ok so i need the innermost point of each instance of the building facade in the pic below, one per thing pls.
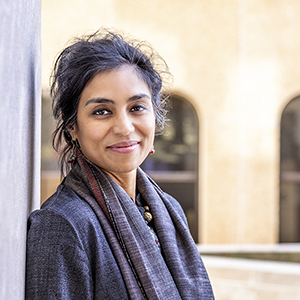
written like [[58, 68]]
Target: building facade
[[236, 66]]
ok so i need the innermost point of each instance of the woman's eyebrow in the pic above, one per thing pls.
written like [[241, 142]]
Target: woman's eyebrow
[[99, 100], [105, 100], [137, 97]]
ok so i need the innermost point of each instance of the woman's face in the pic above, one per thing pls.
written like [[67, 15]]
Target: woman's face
[[115, 120]]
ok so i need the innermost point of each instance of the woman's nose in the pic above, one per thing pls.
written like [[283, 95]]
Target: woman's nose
[[123, 125]]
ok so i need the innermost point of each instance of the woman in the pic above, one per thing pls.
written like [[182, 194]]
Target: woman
[[109, 232]]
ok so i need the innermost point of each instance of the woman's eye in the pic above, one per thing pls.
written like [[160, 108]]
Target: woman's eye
[[101, 112], [138, 108]]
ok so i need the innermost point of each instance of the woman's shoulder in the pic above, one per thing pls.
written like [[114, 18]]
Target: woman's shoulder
[[64, 196], [64, 209], [66, 203]]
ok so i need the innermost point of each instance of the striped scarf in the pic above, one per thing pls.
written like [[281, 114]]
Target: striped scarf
[[177, 272]]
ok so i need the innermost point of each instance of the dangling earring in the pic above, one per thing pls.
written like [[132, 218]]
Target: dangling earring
[[152, 150], [72, 156]]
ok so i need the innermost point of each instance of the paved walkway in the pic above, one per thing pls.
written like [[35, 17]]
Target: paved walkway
[[248, 279]]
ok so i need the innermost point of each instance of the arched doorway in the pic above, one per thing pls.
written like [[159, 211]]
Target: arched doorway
[[174, 166], [289, 229]]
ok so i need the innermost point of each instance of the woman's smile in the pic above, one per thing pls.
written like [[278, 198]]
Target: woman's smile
[[124, 147]]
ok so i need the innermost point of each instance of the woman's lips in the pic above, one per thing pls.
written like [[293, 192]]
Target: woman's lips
[[124, 147]]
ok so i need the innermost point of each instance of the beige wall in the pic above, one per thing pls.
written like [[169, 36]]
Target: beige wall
[[238, 63]]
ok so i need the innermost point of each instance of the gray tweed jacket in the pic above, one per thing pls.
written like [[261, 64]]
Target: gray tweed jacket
[[68, 256]]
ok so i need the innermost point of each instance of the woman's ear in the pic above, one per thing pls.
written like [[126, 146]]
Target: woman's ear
[[72, 131]]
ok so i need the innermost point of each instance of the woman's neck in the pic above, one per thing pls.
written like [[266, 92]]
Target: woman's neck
[[125, 180]]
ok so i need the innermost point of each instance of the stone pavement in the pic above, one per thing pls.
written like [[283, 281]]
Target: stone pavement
[[248, 279]]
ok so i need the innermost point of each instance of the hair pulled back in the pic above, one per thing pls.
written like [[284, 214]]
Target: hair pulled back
[[87, 56]]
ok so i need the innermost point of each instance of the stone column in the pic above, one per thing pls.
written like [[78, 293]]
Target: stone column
[[20, 113]]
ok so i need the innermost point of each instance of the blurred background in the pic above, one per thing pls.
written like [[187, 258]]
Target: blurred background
[[230, 153]]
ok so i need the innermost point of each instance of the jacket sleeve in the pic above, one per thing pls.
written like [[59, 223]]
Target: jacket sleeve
[[57, 267]]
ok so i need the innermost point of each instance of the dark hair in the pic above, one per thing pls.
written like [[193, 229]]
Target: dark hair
[[77, 64]]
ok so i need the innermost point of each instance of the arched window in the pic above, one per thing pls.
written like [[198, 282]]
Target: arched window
[[174, 166], [290, 173]]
